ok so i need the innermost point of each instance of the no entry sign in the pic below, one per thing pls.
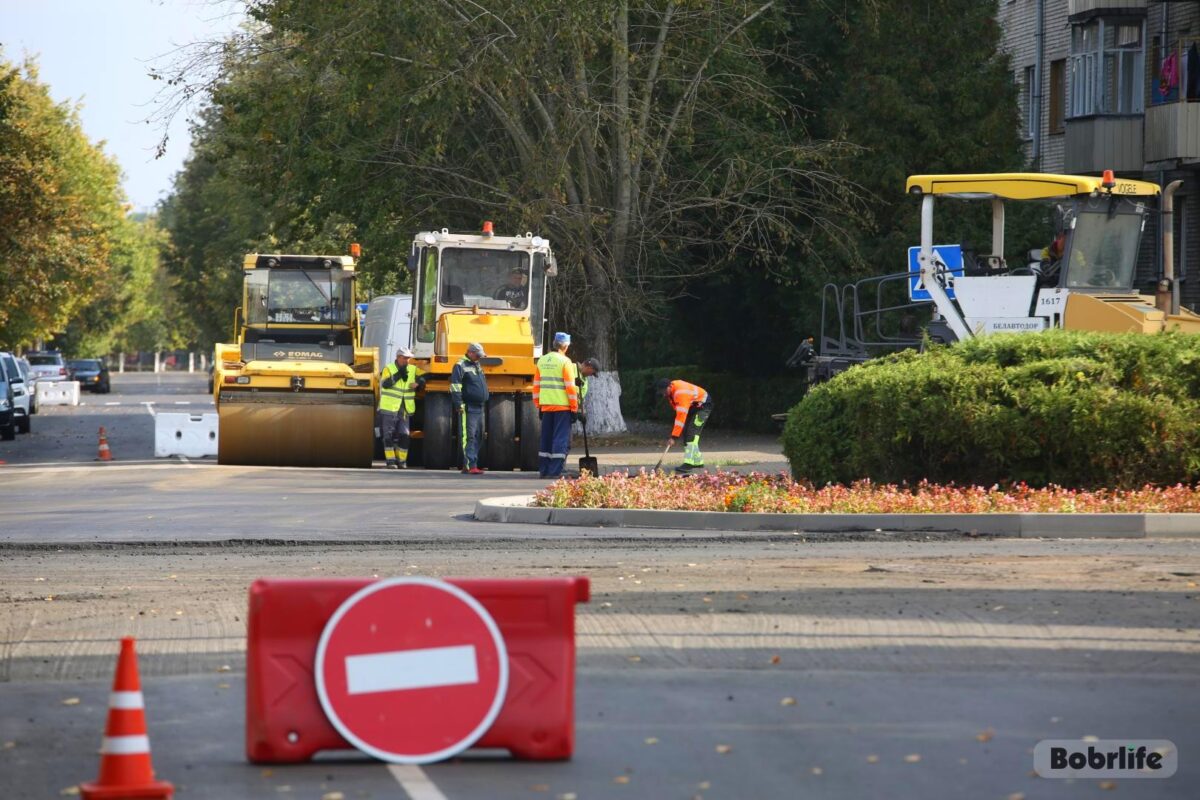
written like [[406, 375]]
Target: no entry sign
[[411, 670]]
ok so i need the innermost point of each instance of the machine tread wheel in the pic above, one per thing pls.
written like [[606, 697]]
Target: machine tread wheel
[[530, 431], [438, 441], [500, 446]]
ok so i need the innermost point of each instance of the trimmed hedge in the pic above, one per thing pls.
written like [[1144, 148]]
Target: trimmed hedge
[[1082, 410], [739, 403]]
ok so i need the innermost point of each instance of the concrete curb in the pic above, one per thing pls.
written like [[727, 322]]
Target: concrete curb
[[515, 508]]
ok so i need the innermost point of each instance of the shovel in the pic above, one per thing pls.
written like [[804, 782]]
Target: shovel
[[588, 462], [664, 455]]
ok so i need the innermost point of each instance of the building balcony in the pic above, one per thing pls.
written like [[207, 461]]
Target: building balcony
[[1094, 144], [1076, 8], [1173, 132]]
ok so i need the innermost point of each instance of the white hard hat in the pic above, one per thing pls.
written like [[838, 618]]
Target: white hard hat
[[404, 351]]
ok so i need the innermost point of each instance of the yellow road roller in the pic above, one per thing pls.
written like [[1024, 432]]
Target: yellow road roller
[[479, 287], [296, 388]]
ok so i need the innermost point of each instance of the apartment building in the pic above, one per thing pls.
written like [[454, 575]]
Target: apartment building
[[1115, 84]]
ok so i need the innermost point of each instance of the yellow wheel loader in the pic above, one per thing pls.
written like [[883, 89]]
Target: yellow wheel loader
[[296, 389], [1084, 279], [479, 287]]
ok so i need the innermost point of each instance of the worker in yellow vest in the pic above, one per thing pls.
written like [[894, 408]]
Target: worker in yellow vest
[[398, 386], [557, 400]]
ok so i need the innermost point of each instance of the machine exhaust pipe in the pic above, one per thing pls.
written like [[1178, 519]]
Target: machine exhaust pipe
[[1167, 298]]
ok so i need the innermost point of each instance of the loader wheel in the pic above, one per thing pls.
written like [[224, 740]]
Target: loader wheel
[[530, 432], [500, 448], [438, 442]]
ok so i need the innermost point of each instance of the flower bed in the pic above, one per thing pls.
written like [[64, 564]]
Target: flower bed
[[759, 492]]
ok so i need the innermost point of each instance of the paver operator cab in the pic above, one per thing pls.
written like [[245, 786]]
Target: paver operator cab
[[296, 389], [479, 287]]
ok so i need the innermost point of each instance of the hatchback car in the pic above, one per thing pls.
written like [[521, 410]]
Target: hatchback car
[[48, 366], [23, 400], [91, 373]]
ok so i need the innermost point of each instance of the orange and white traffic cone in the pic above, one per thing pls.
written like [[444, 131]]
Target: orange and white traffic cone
[[105, 453], [125, 769]]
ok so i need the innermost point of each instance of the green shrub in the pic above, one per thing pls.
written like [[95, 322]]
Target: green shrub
[[739, 403], [1075, 409]]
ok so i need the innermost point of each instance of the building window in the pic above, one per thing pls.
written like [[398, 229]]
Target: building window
[[1028, 93], [1108, 64], [1058, 94]]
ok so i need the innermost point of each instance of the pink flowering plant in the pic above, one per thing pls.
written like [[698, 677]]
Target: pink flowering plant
[[761, 492]]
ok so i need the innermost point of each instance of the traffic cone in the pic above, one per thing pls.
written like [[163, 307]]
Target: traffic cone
[[125, 769], [105, 453]]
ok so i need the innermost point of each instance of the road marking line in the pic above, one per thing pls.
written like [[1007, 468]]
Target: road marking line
[[423, 668], [183, 402], [415, 782], [113, 403], [149, 407]]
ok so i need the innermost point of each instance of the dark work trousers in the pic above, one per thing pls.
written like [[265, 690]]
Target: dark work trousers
[[393, 429], [471, 425], [697, 416], [555, 443]]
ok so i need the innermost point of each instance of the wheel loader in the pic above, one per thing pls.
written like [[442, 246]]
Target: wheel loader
[[296, 388], [1083, 281], [479, 287]]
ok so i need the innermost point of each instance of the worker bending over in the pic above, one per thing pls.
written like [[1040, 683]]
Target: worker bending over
[[397, 403], [557, 401], [469, 394], [692, 406]]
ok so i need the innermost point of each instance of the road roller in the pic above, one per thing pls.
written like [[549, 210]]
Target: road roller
[[479, 287], [297, 388]]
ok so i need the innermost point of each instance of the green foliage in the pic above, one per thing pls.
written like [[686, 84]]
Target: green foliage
[[60, 210], [1068, 408], [739, 402]]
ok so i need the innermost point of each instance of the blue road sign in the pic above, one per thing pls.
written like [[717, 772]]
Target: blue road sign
[[947, 256]]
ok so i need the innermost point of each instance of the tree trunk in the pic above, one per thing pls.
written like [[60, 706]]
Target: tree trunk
[[603, 403]]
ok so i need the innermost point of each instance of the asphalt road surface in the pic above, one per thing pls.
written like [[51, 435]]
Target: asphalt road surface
[[712, 665]]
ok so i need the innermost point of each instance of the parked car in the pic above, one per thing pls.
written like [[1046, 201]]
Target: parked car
[[91, 374], [22, 404], [48, 365], [31, 382], [8, 423]]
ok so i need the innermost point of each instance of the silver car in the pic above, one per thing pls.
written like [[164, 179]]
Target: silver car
[[48, 366], [23, 400]]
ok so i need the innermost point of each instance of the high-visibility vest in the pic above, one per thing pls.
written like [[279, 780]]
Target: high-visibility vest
[[403, 392], [554, 384], [682, 396]]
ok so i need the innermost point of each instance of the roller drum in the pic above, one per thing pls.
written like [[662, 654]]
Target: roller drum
[[296, 430]]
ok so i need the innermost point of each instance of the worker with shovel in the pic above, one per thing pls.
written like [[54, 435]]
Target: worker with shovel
[[557, 401], [692, 405], [584, 371]]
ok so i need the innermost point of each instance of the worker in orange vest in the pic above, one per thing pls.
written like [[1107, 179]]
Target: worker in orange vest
[[692, 405]]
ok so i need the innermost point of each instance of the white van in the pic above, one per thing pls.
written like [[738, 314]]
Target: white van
[[388, 325]]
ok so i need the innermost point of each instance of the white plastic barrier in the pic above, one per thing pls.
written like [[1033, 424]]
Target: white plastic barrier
[[191, 435], [58, 393]]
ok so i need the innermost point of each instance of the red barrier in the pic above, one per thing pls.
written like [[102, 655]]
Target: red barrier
[[285, 721]]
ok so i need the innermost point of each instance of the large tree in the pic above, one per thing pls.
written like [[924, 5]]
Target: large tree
[[650, 140]]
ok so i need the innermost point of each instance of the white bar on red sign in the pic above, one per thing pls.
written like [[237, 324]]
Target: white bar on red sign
[[411, 669]]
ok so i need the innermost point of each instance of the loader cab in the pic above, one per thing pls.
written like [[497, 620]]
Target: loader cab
[[479, 275], [1103, 236]]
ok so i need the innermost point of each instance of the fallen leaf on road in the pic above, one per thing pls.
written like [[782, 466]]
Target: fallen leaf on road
[[872, 759], [540, 787], [985, 735], [706, 599], [606, 605], [71, 701], [651, 740], [224, 668], [724, 748], [997, 608], [70, 791], [788, 701], [1108, 786], [266, 773], [775, 659], [818, 771], [703, 785], [36, 580], [222, 685], [621, 779], [1091, 738], [912, 758], [178, 612], [9, 745], [568, 796], [634, 659], [50, 598], [1017, 796], [743, 596], [333, 796]]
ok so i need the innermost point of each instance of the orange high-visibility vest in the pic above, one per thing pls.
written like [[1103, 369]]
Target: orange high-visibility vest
[[683, 396]]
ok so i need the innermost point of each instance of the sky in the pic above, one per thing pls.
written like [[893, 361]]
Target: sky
[[98, 53]]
